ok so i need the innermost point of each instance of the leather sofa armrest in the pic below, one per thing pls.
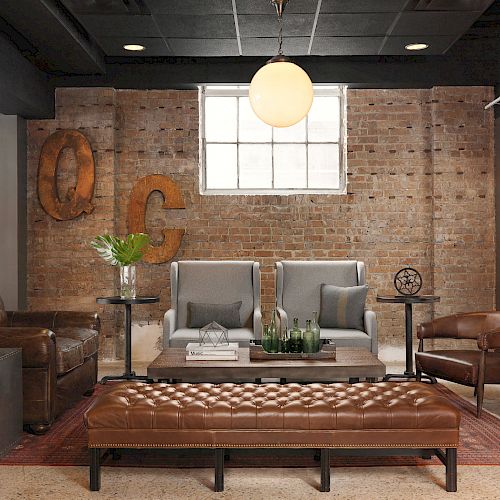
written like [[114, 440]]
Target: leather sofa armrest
[[38, 345], [425, 330], [257, 323], [55, 319], [370, 319], [78, 319], [489, 340], [283, 317], [169, 326]]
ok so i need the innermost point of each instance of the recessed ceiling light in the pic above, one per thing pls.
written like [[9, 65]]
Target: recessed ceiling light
[[134, 47], [416, 46]]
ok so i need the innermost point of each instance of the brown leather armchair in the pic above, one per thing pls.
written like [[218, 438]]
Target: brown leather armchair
[[471, 367], [59, 350]]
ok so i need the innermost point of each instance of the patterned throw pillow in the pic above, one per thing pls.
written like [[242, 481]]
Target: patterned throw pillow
[[342, 307]]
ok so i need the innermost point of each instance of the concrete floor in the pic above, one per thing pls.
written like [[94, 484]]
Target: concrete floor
[[370, 483]]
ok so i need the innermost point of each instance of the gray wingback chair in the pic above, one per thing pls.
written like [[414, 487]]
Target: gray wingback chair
[[213, 282], [298, 294]]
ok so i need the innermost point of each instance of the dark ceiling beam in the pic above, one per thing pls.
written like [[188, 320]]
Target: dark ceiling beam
[[24, 89], [60, 43], [356, 71]]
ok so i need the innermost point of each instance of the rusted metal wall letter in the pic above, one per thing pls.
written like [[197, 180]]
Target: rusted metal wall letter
[[79, 197], [137, 214]]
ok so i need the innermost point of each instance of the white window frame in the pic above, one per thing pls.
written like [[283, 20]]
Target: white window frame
[[237, 91]]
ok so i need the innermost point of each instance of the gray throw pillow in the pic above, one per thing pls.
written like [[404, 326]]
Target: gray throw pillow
[[342, 307], [227, 315]]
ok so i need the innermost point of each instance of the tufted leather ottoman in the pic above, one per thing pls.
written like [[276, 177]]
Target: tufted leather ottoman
[[406, 415]]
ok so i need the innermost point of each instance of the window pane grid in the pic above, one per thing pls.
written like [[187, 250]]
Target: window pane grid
[[256, 168]]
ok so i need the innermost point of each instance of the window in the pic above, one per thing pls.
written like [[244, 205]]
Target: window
[[242, 155]]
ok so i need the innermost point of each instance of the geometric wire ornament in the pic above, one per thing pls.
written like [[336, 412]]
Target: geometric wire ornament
[[213, 335], [408, 281]]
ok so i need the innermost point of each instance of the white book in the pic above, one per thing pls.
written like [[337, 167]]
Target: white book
[[196, 346], [208, 357]]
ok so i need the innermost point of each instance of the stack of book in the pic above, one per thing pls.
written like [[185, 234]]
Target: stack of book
[[207, 352]]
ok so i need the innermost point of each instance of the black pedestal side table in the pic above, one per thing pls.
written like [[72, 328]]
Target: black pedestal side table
[[129, 374], [408, 301]]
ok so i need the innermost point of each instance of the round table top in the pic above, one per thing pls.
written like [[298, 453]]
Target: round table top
[[118, 300], [408, 299]]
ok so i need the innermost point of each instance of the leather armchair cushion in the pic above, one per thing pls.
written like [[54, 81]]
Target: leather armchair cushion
[[69, 354], [461, 366], [88, 337]]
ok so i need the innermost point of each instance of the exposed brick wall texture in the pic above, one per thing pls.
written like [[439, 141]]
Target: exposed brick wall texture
[[420, 192]]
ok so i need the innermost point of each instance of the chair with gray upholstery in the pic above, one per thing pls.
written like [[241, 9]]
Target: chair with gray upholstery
[[298, 294], [213, 282]]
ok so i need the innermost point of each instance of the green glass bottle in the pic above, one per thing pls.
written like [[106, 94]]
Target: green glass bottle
[[295, 337], [266, 339], [316, 330], [284, 341], [308, 342], [274, 334]]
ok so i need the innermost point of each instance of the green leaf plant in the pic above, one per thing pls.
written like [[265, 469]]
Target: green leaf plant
[[120, 252]]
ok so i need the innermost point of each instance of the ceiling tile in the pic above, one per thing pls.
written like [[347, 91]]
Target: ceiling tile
[[395, 45], [205, 47], [265, 7], [191, 7], [292, 46], [433, 23], [220, 26], [113, 46], [453, 5], [346, 45], [120, 25], [334, 6], [373, 24], [268, 26]]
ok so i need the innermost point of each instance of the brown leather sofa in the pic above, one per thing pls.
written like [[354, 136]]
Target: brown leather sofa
[[59, 350], [471, 367]]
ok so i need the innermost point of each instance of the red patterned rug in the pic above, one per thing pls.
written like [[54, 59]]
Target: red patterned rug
[[66, 444]]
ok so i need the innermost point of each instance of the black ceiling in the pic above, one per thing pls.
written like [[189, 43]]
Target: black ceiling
[[188, 42], [249, 27]]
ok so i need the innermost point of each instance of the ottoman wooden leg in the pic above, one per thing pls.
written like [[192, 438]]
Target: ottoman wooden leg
[[325, 470], [95, 469], [451, 469], [219, 469]]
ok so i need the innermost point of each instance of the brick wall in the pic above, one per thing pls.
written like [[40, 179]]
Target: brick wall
[[420, 192]]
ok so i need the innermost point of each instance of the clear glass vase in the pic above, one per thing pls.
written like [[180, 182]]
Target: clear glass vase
[[127, 282]]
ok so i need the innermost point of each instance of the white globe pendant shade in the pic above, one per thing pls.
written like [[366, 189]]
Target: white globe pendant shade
[[281, 93]]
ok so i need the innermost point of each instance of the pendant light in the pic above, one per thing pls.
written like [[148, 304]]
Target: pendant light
[[281, 93]]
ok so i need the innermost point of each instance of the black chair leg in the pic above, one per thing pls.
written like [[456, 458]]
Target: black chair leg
[[219, 469], [95, 469], [325, 470], [451, 469]]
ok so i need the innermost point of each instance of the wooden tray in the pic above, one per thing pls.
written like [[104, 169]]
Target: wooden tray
[[257, 353]]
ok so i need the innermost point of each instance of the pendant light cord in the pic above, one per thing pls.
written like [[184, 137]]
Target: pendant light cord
[[280, 36]]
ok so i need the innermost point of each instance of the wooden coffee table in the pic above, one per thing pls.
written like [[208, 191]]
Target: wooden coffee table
[[352, 363]]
